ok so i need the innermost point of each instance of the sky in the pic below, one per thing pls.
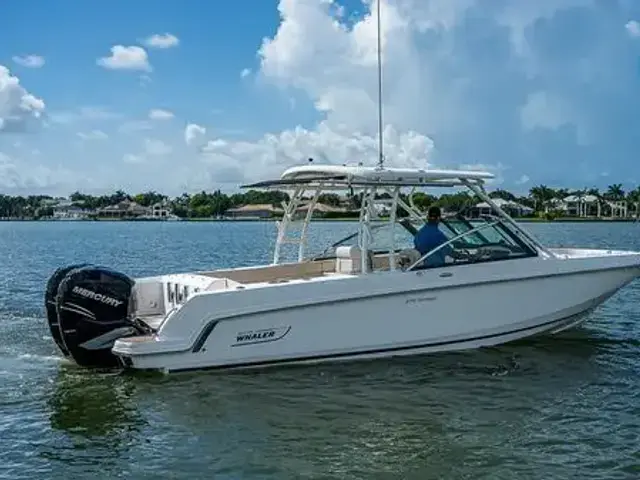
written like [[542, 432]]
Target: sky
[[178, 96]]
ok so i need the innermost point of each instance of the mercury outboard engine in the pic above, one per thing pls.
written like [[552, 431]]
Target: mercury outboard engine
[[88, 309]]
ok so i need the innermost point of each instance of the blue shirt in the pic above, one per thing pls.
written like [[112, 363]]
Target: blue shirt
[[428, 238]]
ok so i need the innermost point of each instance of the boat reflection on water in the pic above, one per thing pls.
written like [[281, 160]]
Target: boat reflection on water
[[93, 413]]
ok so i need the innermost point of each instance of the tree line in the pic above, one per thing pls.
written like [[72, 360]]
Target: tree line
[[210, 204]]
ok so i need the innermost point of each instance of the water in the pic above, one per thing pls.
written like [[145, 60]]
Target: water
[[563, 407]]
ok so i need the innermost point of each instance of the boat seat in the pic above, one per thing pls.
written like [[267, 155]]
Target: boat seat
[[349, 260], [223, 283], [149, 299]]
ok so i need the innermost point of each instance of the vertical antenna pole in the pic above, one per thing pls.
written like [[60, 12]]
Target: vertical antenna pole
[[380, 151]]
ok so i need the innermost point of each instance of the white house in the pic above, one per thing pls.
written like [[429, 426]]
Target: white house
[[160, 210], [67, 210], [512, 208], [581, 206]]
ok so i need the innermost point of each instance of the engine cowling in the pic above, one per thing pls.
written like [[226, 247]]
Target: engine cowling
[[51, 304], [88, 309]]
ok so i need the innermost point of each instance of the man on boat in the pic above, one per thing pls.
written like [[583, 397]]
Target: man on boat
[[430, 237]]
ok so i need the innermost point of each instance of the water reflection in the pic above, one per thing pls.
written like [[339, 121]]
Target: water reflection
[[93, 416], [93, 405]]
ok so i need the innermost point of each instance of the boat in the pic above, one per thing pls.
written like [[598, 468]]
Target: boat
[[366, 296]]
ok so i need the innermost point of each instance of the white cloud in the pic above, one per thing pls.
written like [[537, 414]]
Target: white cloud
[[93, 135], [547, 87], [522, 180], [18, 108], [22, 177], [133, 158], [245, 73], [498, 83], [633, 28], [29, 61], [159, 114], [126, 58], [269, 156], [166, 40], [194, 133], [156, 147]]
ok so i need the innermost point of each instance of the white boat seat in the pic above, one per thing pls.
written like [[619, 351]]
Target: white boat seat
[[149, 299], [349, 260]]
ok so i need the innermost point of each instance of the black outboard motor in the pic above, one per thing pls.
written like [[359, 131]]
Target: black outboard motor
[[88, 309]]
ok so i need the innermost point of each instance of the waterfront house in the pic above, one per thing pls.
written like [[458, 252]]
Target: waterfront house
[[264, 210], [124, 209], [69, 210], [321, 210], [581, 206], [514, 209], [160, 210]]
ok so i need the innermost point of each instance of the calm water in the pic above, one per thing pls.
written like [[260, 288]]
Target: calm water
[[567, 407]]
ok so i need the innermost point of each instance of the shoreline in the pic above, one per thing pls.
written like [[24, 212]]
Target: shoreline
[[337, 219]]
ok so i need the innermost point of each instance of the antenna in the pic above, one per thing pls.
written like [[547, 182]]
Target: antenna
[[380, 146]]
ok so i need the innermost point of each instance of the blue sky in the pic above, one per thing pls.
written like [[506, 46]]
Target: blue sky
[[217, 41], [537, 92]]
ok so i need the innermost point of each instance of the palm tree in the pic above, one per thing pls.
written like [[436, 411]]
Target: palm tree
[[615, 192], [634, 197], [542, 195]]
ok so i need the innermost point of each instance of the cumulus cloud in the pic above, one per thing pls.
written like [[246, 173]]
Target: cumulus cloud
[[126, 58], [269, 156], [194, 134], [542, 86], [543, 91], [19, 176], [159, 114], [19, 109], [29, 61], [166, 40], [245, 73]]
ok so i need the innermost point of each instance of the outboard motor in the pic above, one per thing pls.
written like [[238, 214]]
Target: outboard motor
[[51, 304], [88, 309]]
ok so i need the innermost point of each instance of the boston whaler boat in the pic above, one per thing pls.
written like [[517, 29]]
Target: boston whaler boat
[[368, 296]]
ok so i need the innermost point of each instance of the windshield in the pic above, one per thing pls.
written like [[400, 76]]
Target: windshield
[[472, 239]]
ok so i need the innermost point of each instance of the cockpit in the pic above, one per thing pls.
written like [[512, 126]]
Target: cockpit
[[469, 240]]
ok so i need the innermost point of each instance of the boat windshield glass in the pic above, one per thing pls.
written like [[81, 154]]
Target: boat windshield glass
[[472, 239], [481, 239]]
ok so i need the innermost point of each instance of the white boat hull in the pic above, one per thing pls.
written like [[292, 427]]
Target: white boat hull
[[349, 318], [386, 294]]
